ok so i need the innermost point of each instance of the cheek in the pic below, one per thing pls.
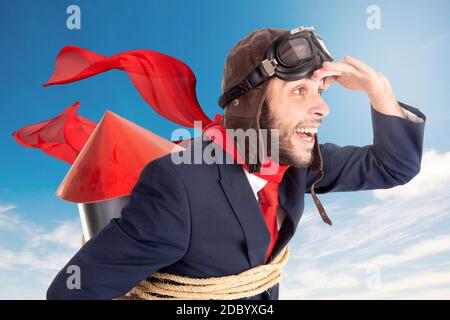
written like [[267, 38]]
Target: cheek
[[292, 115], [288, 111], [287, 127]]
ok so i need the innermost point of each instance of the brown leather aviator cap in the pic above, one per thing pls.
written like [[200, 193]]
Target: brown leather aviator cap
[[244, 112]]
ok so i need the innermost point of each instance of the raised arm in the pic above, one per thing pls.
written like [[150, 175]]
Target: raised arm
[[393, 159]]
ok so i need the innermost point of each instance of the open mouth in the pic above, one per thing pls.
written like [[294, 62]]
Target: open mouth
[[306, 134]]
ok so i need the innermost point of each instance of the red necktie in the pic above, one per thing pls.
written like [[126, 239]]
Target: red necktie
[[268, 201]]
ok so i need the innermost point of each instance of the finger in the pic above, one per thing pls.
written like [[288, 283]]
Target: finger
[[341, 66], [321, 73], [358, 64], [328, 81]]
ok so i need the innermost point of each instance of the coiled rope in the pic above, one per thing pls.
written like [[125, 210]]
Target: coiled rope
[[165, 286]]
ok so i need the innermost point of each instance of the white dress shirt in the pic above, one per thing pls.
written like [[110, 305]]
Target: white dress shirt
[[412, 117]]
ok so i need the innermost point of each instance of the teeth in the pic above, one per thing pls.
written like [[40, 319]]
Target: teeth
[[306, 130]]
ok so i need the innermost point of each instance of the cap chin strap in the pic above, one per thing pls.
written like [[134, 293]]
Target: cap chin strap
[[317, 166]]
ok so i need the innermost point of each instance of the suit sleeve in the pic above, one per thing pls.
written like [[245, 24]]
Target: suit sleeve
[[153, 232], [393, 159]]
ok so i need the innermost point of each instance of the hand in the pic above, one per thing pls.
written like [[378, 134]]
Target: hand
[[353, 74]]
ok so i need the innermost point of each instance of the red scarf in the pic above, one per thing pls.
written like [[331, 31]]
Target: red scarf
[[271, 171], [166, 84]]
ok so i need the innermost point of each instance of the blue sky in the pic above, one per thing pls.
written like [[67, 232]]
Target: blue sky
[[38, 232]]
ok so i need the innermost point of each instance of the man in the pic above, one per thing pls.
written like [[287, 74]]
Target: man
[[204, 220]]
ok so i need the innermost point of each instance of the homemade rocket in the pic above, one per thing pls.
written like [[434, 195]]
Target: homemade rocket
[[107, 168]]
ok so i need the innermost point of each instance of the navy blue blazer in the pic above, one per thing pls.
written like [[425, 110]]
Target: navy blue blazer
[[202, 220]]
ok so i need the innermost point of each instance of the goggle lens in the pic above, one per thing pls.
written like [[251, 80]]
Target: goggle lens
[[291, 52]]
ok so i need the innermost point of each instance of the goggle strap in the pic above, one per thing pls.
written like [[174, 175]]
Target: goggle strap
[[252, 80], [234, 93]]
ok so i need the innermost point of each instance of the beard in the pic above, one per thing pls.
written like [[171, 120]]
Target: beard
[[287, 154]]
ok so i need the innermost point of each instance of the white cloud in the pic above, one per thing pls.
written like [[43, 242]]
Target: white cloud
[[66, 234], [424, 285], [379, 226], [420, 250], [30, 261], [433, 177], [406, 246], [6, 208], [396, 246]]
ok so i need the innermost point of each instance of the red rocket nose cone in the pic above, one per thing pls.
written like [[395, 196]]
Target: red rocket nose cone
[[111, 161]]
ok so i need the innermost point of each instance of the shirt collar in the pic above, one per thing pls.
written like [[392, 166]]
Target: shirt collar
[[256, 182]]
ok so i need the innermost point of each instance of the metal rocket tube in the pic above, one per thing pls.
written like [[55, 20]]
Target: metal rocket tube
[[96, 215]]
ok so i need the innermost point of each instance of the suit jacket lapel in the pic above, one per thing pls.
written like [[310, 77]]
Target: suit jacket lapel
[[243, 202]]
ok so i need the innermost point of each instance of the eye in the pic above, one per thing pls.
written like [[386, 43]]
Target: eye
[[301, 90]]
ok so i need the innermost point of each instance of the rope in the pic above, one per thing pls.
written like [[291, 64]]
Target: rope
[[246, 284]]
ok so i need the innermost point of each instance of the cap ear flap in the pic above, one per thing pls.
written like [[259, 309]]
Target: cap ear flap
[[245, 115], [249, 104]]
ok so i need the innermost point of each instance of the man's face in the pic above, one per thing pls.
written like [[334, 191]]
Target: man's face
[[294, 108]]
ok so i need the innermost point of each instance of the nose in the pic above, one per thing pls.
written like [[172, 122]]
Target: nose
[[319, 107]]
